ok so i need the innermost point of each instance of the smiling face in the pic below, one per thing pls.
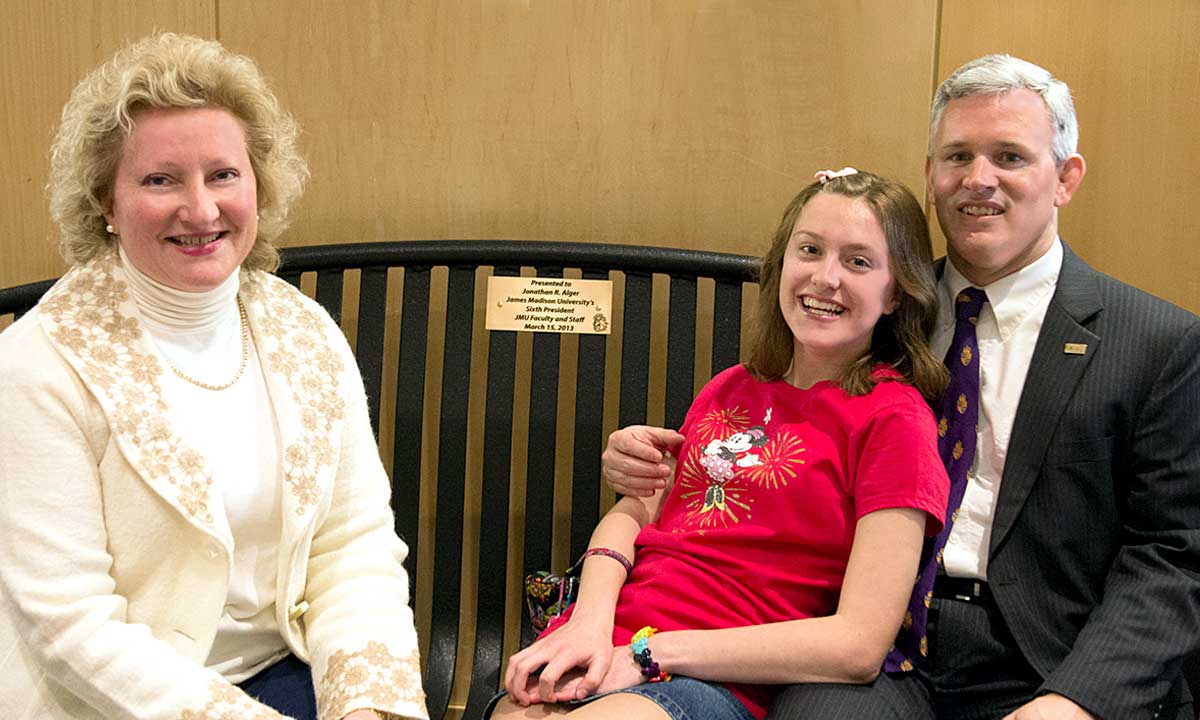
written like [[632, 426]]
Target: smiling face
[[994, 182], [836, 281], [184, 197]]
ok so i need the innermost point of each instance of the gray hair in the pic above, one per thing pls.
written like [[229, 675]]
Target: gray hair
[[996, 74]]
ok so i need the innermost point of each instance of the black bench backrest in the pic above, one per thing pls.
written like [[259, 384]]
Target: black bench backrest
[[553, 483], [493, 440], [16, 301]]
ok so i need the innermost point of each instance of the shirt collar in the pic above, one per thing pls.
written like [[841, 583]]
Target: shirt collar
[[1011, 297]]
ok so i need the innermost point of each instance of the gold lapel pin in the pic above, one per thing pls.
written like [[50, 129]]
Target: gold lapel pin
[[1075, 348]]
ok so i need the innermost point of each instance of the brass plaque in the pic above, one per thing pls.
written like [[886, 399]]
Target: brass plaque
[[561, 305]]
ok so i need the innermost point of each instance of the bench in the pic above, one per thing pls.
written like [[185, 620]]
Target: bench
[[493, 438]]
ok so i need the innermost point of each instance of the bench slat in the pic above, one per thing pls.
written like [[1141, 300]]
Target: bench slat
[[372, 321], [635, 350], [410, 410], [727, 324], [451, 462], [492, 596], [681, 350]]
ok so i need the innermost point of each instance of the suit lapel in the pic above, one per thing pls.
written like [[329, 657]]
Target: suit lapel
[[1049, 385]]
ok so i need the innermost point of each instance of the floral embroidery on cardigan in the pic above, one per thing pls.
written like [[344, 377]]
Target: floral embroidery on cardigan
[[295, 346], [372, 677], [83, 314], [228, 703], [85, 318]]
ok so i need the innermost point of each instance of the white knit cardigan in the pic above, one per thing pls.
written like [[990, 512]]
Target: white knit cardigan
[[114, 547]]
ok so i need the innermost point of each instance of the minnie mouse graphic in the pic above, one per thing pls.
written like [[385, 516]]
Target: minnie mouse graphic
[[720, 457]]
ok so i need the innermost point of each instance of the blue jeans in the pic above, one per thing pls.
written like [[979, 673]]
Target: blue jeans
[[683, 698]]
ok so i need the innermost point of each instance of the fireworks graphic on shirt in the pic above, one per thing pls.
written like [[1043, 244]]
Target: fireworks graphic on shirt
[[723, 422], [778, 462], [719, 477]]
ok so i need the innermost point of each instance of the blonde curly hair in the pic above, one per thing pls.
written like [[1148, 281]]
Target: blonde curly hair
[[166, 70]]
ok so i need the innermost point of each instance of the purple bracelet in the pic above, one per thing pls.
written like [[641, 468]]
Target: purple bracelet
[[609, 554]]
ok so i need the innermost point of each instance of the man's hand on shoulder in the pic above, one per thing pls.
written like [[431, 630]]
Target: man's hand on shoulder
[[1050, 707], [636, 461]]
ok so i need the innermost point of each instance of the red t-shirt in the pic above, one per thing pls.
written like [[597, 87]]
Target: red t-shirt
[[770, 482]]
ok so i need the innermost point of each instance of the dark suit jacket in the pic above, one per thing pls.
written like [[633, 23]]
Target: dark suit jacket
[[1095, 549]]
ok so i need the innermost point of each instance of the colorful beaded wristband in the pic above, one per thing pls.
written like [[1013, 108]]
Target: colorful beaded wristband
[[608, 554], [641, 653]]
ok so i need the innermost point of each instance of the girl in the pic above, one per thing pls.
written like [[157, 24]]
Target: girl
[[807, 478]]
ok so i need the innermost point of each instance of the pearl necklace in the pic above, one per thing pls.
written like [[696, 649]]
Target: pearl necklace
[[241, 368]]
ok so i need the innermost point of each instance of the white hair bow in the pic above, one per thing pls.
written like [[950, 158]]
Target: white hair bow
[[826, 175]]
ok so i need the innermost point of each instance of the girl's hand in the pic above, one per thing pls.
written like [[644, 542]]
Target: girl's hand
[[623, 671], [579, 645]]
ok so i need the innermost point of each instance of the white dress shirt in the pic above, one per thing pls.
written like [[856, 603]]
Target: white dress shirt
[[1007, 332]]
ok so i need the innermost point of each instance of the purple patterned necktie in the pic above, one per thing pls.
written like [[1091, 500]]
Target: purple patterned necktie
[[958, 415]]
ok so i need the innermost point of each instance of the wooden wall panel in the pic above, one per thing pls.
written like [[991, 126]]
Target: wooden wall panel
[[678, 123], [46, 47], [683, 123], [1134, 70], [672, 123]]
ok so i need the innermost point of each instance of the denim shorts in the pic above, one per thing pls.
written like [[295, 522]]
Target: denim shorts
[[683, 698]]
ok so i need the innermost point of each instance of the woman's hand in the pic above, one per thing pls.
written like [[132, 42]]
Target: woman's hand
[[636, 460], [573, 659]]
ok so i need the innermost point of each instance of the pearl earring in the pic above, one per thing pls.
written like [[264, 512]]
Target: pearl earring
[[111, 230]]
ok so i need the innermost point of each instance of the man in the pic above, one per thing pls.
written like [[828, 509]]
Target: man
[[1070, 581]]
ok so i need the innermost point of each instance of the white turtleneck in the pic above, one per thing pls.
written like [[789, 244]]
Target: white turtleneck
[[200, 334]]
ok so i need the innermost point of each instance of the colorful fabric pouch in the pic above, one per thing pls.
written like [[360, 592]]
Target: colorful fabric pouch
[[547, 594]]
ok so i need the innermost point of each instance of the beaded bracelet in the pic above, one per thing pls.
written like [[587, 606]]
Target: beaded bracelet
[[608, 554], [641, 653]]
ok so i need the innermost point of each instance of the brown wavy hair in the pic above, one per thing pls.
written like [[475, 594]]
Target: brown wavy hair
[[166, 70], [900, 339]]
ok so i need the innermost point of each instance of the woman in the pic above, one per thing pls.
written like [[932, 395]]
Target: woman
[[194, 511], [785, 550]]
